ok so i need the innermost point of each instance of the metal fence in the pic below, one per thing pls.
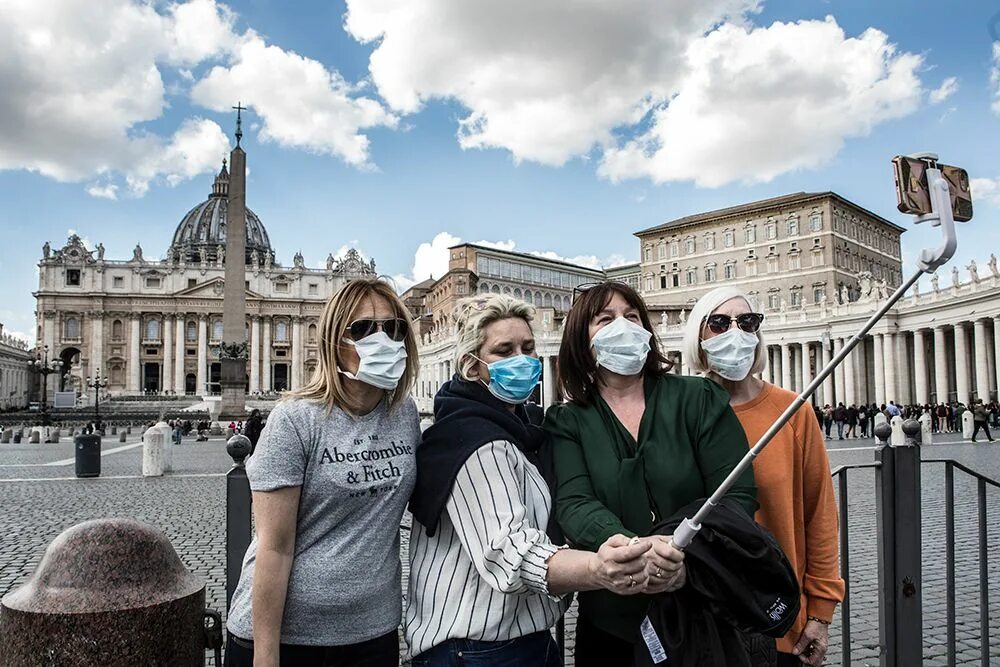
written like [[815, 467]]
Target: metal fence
[[897, 473]]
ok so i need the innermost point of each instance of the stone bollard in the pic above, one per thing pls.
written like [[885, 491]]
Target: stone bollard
[[121, 436], [230, 432], [155, 449], [879, 419], [108, 592], [926, 430], [114, 430], [898, 438], [215, 429], [6, 436], [968, 425], [35, 437], [17, 437], [128, 429]]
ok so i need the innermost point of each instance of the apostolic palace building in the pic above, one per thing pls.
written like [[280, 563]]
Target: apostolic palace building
[[817, 264]]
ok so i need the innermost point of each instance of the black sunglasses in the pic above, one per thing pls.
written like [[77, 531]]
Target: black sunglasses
[[395, 328], [749, 322], [582, 288]]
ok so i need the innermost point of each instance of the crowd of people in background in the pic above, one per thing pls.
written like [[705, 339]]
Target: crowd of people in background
[[858, 421]]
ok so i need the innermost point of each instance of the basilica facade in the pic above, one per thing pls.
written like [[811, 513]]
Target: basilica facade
[[154, 325]]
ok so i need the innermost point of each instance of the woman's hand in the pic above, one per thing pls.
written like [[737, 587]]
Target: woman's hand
[[664, 565], [812, 644], [620, 565]]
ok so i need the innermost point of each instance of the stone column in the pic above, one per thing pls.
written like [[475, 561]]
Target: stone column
[[549, 385], [265, 361], [962, 385], [786, 366], [766, 374], [828, 382], [254, 353], [880, 397], [807, 374], [850, 379], [168, 353], [838, 374], [179, 353], [296, 352], [200, 388], [134, 367], [97, 345], [904, 371], [941, 382], [891, 386], [920, 384], [996, 351], [991, 359], [980, 345]]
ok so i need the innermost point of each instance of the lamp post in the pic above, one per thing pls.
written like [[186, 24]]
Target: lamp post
[[44, 367], [97, 383]]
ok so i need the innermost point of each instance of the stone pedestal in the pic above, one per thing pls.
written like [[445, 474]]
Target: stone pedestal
[[121, 437], [156, 450], [35, 437], [926, 431], [968, 425], [233, 384], [215, 429], [898, 438], [109, 592]]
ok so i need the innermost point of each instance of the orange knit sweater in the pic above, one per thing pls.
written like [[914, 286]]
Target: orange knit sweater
[[796, 501]]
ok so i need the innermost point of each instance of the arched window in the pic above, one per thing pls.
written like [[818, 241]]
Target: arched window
[[116, 374], [281, 331], [153, 330], [528, 297], [217, 330], [312, 333], [72, 328], [548, 300], [496, 289], [116, 330], [484, 288], [191, 331]]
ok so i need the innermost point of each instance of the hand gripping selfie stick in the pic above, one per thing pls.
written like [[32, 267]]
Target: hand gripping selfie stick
[[930, 260]]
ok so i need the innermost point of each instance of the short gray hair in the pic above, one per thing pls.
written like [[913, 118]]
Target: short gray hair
[[691, 350], [474, 315]]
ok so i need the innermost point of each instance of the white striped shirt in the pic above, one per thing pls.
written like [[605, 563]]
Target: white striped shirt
[[483, 574]]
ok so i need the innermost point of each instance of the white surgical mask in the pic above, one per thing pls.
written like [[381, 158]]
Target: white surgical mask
[[383, 361], [622, 347], [730, 355]]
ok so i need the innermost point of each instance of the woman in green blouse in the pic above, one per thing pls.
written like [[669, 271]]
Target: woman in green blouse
[[632, 446]]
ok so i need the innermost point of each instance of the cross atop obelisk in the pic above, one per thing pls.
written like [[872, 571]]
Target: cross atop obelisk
[[233, 351]]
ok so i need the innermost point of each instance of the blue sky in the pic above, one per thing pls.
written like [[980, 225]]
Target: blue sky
[[399, 128]]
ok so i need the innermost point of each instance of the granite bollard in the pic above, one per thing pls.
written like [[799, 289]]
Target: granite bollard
[[114, 430], [35, 437], [968, 425], [6, 436], [109, 592], [155, 449], [926, 430], [898, 438], [17, 437], [121, 437]]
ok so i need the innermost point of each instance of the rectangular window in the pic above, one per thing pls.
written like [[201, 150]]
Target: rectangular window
[[663, 282], [771, 231], [675, 249], [280, 353], [691, 277], [710, 242], [729, 239], [118, 282], [191, 352], [689, 246], [151, 351], [675, 280], [819, 294], [647, 254], [313, 288], [816, 222], [796, 298], [730, 271], [281, 287], [793, 227], [751, 235], [73, 277], [246, 284], [661, 251], [192, 282], [152, 282]]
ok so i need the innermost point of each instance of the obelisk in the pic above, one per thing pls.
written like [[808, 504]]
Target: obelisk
[[233, 351]]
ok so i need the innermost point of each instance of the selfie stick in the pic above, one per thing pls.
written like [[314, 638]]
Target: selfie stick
[[930, 260]]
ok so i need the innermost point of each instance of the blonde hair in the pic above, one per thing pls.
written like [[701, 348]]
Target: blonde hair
[[691, 350], [326, 384], [474, 315]]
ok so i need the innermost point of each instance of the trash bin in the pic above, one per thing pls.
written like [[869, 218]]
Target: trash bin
[[88, 455]]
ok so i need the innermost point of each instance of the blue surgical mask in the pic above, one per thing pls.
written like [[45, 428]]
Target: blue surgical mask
[[512, 379]]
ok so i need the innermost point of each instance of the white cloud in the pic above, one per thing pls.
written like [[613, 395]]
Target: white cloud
[[81, 80], [83, 239], [947, 88], [541, 81], [985, 190], [302, 103], [752, 107], [589, 261], [995, 78], [103, 191]]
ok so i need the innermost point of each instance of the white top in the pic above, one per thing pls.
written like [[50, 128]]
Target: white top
[[483, 574]]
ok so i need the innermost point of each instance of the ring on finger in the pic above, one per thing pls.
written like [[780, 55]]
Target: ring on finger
[[658, 573], [631, 581]]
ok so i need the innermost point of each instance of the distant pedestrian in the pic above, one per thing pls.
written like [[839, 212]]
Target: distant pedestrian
[[253, 428], [840, 416], [979, 420], [852, 421], [892, 410], [863, 420], [827, 419]]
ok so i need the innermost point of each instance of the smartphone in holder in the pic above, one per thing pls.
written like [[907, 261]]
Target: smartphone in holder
[[913, 193]]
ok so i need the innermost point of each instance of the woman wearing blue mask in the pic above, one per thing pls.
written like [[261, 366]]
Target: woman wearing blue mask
[[331, 475], [488, 574], [632, 446]]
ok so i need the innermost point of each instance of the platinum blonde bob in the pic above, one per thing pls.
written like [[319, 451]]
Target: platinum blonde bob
[[691, 351]]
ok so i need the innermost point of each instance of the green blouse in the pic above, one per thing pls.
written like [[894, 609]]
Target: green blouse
[[689, 441]]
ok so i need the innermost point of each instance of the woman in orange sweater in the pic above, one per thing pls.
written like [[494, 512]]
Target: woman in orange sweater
[[797, 505]]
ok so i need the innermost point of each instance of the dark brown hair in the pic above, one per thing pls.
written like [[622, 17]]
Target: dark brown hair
[[577, 364]]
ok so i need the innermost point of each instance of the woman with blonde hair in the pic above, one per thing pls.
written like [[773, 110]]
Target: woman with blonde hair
[[723, 341], [331, 475], [486, 579]]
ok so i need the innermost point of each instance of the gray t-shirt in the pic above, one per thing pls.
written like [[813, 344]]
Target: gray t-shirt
[[356, 475]]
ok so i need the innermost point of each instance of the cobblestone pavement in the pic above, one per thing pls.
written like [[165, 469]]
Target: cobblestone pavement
[[40, 498]]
